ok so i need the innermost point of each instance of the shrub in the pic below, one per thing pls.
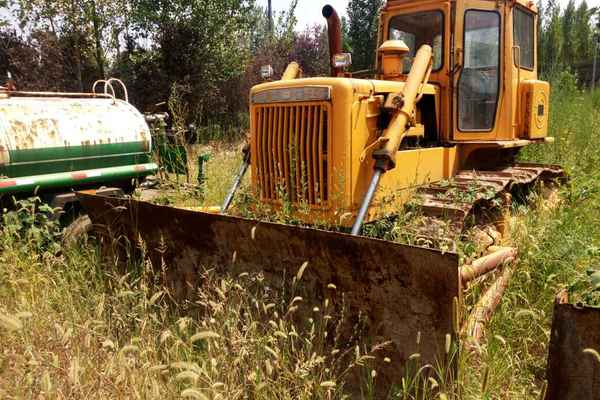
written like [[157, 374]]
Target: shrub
[[31, 226]]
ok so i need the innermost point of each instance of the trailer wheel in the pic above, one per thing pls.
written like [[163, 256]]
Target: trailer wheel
[[77, 231]]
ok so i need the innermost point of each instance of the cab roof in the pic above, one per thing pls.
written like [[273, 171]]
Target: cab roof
[[391, 3]]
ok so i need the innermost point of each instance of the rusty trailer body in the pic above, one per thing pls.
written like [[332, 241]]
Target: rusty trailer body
[[573, 374], [57, 141]]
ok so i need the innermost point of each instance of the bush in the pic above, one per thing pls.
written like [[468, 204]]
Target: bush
[[564, 81], [31, 227], [596, 99]]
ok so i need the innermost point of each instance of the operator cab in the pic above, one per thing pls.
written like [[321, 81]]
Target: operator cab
[[477, 44], [416, 30]]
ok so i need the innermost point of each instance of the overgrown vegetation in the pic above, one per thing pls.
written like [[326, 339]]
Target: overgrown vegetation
[[73, 325], [556, 248]]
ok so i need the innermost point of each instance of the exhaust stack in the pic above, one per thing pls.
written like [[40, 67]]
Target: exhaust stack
[[334, 32]]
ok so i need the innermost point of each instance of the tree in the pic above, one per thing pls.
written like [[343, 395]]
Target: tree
[[79, 23], [551, 40], [570, 42], [203, 46], [583, 34], [362, 31]]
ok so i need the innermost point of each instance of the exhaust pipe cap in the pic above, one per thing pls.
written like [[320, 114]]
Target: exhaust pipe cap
[[328, 11]]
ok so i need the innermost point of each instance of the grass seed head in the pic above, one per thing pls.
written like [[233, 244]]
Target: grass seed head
[[192, 393], [594, 353], [10, 323]]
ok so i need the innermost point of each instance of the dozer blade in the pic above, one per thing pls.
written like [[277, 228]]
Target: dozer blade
[[394, 292]]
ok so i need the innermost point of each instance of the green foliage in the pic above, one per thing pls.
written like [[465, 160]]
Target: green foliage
[[30, 227], [551, 43], [363, 17], [212, 50], [596, 100], [586, 289], [583, 33], [564, 82], [203, 45], [557, 245], [566, 38], [568, 33]]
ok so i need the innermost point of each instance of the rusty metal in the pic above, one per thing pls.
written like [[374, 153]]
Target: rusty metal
[[402, 291], [334, 33], [485, 307], [108, 84], [58, 141], [486, 264], [573, 374], [238, 179], [469, 191]]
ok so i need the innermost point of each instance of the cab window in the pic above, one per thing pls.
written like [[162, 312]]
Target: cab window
[[416, 30], [524, 34], [479, 85]]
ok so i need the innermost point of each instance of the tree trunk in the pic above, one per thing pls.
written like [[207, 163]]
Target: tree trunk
[[78, 34], [98, 39], [78, 64]]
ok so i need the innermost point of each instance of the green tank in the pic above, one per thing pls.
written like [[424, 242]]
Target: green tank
[[61, 142]]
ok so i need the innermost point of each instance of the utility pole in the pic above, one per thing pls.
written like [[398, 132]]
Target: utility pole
[[270, 17]]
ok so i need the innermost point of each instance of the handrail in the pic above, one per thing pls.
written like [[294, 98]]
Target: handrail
[[125, 93], [96, 83], [108, 84], [105, 82], [518, 63], [52, 94]]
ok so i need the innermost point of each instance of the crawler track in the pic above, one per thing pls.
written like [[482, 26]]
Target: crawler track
[[459, 199]]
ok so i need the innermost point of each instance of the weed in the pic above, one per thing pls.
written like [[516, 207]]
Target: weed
[[31, 225]]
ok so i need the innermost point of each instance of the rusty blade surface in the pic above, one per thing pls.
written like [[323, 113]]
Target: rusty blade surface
[[573, 374], [399, 290]]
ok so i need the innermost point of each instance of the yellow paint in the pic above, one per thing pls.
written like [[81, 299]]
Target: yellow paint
[[292, 71], [355, 108], [535, 98]]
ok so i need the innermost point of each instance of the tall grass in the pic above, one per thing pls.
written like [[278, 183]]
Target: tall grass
[[556, 246], [73, 325]]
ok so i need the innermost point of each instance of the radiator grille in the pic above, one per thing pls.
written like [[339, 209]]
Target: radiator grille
[[292, 142]]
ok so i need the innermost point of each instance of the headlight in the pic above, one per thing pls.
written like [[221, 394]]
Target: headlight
[[290, 95], [342, 60], [266, 72]]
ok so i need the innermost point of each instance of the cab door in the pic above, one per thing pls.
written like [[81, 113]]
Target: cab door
[[478, 73]]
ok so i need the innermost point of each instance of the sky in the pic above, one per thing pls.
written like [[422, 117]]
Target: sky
[[308, 12]]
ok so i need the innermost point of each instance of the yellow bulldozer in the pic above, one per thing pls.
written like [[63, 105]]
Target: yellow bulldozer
[[455, 96]]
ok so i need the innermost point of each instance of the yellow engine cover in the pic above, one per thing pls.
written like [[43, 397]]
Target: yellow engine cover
[[534, 109]]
